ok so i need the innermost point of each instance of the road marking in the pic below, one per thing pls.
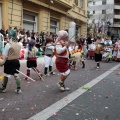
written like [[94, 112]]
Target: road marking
[[48, 112]]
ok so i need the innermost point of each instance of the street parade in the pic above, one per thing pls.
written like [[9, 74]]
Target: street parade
[[69, 54], [59, 60]]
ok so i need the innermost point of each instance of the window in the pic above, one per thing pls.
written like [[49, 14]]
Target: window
[[81, 3], [53, 26], [93, 3], [29, 21], [103, 11], [103, 2], [76, 2], [77, 31], [93, 12]]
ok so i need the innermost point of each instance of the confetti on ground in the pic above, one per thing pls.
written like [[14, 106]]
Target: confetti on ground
[[30, 98], [8, 104], [31, 108], [94, 95], [17, 108], [66, 99], [1, 98], [3, 110], [55, 114], [86, 87], [77, 113], [99, 95], [28, 82], [106, 107], [96, 119]]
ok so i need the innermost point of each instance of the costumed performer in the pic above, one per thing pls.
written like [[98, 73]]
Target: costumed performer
[[30, 55], [11, 57], [79, 45], [72, 62], [49, 50], [98, 49], [62, 55]]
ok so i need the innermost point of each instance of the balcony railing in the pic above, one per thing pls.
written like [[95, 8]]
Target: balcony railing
[[116, 3]]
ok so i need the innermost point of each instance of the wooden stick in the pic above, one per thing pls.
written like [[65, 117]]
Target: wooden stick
[[38, 74], [50, 72], [25, 75]]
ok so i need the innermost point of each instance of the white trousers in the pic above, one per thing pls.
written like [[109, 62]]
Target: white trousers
[[66, 72], [48, 61]]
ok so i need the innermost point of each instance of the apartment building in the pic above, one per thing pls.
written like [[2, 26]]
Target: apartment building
[[106, 12], [44, 15]]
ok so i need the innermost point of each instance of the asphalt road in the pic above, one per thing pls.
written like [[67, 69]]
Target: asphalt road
[[101, 102]]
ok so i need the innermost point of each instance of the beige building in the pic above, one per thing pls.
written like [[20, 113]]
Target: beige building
[[44, 15]]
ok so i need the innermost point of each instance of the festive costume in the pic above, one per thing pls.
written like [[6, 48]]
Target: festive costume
[[62, 55], [12, 64], [83, 45], [80, 47], [116, 52], [30, 55], [91, 50], [72, 62], [107, 50], [48, 56], [98, 55]]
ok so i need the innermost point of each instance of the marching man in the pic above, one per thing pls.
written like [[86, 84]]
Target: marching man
[[30, 56], [12, 64], [48, 56], [62, 56]]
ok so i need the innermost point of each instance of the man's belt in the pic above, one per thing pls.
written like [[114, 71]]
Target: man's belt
[[12, 59]]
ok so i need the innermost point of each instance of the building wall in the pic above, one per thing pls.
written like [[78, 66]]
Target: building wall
[[98, 16], [15, 13], [64, 12]]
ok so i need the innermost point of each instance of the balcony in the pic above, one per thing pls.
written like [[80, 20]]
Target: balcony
[[61, 6], [117, 16], [117, 5], [116, 24], [65, 3]]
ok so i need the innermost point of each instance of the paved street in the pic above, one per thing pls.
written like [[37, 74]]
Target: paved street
[[101, 102]]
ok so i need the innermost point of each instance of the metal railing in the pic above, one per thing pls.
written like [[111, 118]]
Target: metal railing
[[116, 3]]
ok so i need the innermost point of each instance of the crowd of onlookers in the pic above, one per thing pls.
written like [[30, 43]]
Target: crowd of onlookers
[[25, 35]]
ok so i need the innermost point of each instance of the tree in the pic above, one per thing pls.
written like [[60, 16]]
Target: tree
[[89, 27]]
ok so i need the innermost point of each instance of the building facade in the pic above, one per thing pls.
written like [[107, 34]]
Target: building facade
[[106, 13], [44, 15]]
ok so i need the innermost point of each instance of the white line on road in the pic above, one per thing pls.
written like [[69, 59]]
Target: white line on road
[[48, 112]]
